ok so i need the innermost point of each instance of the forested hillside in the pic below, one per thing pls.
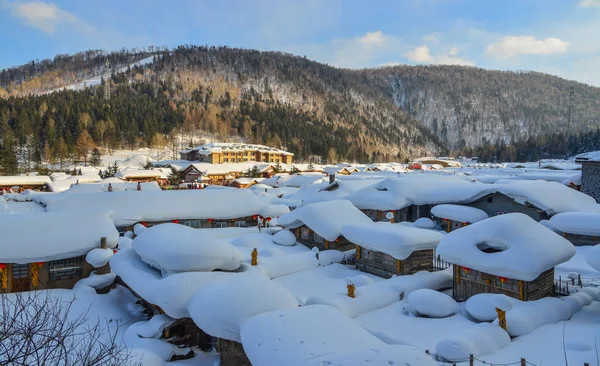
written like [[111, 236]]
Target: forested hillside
[[311, 109]]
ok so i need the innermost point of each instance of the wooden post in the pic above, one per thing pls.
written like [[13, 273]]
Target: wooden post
[[586, 364], [103, 243], [254, 257], [523, 362], [471, 360], [579, 281], [351, 288]]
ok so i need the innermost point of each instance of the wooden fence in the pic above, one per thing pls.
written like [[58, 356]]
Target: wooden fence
[[439, 264]]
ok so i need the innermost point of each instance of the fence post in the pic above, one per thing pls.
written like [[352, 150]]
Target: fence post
[[523, 362], [471, 359], [586, 364], [579, 281]]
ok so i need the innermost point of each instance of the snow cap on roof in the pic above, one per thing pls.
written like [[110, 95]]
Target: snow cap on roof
[[399, 241], [580, 223], [216, 147], [523, 248], [221, 307], [459, 213], [592, 156], [43, 237], [325, 218], [139, 173], [22, 180], [130, 207]]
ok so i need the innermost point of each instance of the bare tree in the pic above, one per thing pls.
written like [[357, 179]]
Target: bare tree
[[37, 328]]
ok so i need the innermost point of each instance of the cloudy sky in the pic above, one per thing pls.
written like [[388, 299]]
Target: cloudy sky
[[560, 37]]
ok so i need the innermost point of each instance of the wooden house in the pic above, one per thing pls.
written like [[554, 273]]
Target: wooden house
[[510, 254], [451, 217], [590, 173], [580, 228], [385, 249], [319, 224], [53, 254], [17, 184]]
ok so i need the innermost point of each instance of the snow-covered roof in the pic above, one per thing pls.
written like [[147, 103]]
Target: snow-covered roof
[[459, 213], [518, 247], [24, 180], [141, 173], [43, 237], [399, 241], [116, 184], [210, 169], [581, 223], [217, 147], [65, 183], [325, 218], [130, 207], [592, 156]]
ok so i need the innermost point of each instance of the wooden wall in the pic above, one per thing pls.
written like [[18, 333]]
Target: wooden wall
[[232, 353], [502, 203], [386, 266]]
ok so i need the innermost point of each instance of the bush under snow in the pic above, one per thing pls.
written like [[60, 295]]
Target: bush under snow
[[432, 303], [284, 237], [424, 223], [480, 340], [482, 307]]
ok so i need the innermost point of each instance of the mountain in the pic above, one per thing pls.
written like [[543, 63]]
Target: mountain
[[314, 110]]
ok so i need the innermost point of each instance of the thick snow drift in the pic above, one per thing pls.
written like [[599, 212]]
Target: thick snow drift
[[284, 237], [479, 340], [98, 257], [399, 241], [459, 213], [482, 307], [526, 317], [432, 303], [382, 355], [43, 237], [220, 308], [325, 218], [581, 223], [512, 245], [593, 257], [179, 248]]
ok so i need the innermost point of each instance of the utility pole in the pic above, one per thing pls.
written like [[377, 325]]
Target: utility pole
[[107, 80], [571, 100]]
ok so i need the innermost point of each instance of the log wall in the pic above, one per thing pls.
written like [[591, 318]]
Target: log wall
[[378, 264]]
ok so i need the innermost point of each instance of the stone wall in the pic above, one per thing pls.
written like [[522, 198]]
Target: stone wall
[[590, 179]]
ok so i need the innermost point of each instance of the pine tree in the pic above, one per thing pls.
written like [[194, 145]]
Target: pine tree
[[9, 164], [255, 173], [95, 158], [84, 144], [278, 168], [310, 167]]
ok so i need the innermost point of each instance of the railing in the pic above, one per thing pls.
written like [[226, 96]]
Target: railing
[[439, 264]]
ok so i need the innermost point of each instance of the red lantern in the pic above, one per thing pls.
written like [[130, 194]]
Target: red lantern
[[176, 221], [502, 279], [115, 251], [232, 220], [260, 217], [210, 221], [254, 217], [40, 263], [144, 223], [466, 270], [2, 265], [268, 219]]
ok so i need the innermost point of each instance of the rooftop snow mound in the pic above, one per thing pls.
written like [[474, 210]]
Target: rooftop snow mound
[[580, 223], [179, 248], [588, 156], [130, 207], [399, 241], [22, 180], [43, 237], [325, 218], [141, 173], [218, 147], [459, 213], [221, 307], [512, 245]]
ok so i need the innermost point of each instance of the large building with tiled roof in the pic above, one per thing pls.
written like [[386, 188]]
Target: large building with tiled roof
[[220, 153]]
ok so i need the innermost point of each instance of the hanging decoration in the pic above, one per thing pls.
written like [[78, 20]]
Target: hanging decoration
[[4, 276], [35, 274]]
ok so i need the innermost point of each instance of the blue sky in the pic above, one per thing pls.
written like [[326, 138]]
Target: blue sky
[[560, 37]]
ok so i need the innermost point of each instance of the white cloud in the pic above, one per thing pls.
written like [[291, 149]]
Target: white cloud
[[433, 37], [513, 46], [422, 55], [590, 3], [41, 15], [372, 39]]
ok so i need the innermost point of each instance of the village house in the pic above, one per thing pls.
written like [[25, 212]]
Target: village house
[[144, 175], [451, 217], [341, 170], [222, 153], [510, 254], [17, 184], [217, 207], [580, 228], [319, 224], [245, 182], [43, 251], [386, 250], [225, 173], [590, 173]]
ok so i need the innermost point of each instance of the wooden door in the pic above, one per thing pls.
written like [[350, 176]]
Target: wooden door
[[20, 278]]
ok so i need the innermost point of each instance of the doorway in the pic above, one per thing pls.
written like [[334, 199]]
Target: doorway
[[20, 278]]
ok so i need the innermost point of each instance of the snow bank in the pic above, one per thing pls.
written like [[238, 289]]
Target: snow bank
[[581, 223], [480, 340], [24, 180], [399, 241], [98, 257], [130, 207], [424, 223], [94, 282], [524, 248], [593, 257], [146, 334], [220, 308], [577, 301], [432, 303], [325, 218], [281, 266], [284, 237], [381, 355], [179, 248], [459, 213], [482, 307], [299, 336], [65, 184], [102, 186], [526, 317], [43, 237]]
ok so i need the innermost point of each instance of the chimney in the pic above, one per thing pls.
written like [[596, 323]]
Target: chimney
[[139, 186], [331, 178], [103, 242]]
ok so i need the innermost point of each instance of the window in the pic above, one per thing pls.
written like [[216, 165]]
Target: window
[[304, 233], [318, 239], [240, 224], [220, 224], [490, 199], [65, 269], [225, 160], [389, 260], [193, 224], [20, 271]]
